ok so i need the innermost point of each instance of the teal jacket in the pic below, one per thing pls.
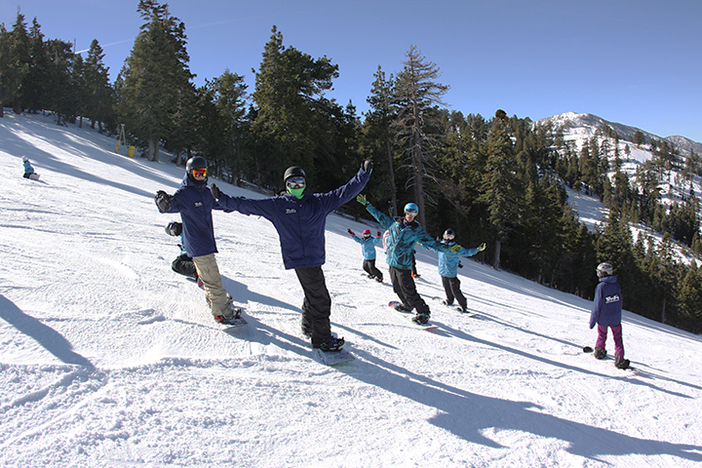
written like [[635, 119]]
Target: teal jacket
[[401, 239], [367, 246], [448, 261]]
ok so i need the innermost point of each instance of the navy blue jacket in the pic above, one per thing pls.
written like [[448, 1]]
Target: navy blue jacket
[[607, 306], [300, 223], [195, 203]]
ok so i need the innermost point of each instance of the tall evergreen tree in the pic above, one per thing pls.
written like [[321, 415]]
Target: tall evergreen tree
[[156, 77], [502, 186], [293, 120], [377, 136], [417, 92]]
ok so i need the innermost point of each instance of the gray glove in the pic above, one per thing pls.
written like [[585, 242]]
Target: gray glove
[[163, 200], [216, 192]]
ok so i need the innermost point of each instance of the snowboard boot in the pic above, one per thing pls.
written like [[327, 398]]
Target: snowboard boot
[[403, 308], [621, 363], [334, 344], [420, 319], [600, 353]]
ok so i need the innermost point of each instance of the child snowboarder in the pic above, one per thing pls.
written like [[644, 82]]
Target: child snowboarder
[[195, 203], [448, 269], [404, 233], [183, 263], [607, 312], [29, 170], [368, 243], [300, 217]]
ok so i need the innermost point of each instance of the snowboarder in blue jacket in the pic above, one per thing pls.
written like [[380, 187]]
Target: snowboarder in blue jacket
[[300, 218], [607, 313], [404, 233], [368, 243], [28, 169], [194, 201], [448, 269]]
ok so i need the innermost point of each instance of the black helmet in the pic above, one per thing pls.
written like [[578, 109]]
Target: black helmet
[[196, 162], [293, 171]]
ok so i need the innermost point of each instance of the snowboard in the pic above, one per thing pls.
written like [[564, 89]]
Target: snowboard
[[236, 323], [610, 362], [455, 308], [334, 358], [34, 176], [409, 316]]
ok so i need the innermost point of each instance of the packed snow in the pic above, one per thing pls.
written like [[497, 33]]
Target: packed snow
[[109, 358]]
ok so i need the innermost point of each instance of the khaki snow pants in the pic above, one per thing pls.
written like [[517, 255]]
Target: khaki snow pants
[[216, 295]]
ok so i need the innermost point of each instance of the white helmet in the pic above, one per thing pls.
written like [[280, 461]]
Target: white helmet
[[25, 159], [605, 269]]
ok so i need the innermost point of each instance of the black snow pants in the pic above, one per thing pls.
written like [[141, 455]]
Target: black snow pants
[[316, 308], [403, 285], [452, 287]]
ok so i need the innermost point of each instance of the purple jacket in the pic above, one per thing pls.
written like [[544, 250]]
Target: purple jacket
[[300, 223], [607, 305]]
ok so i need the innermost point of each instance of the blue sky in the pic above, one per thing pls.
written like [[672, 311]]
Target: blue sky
[[636, 62]]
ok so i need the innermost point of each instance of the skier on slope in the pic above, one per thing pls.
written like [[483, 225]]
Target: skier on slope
[[300, 217], [404, 233], [607, 313], [448, 270], [368, 243], [183, 263], [195, 203]]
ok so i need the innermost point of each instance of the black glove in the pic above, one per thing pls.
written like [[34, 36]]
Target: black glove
[[349, 231], [460, 265], [174, 228], [163, 200], [367, 166], [379, 234], [216, 192]]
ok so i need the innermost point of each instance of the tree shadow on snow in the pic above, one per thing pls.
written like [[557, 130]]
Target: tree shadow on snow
[[47, 337], [469, 416]]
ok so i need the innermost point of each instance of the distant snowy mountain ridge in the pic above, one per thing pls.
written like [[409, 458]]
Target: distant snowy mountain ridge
[[587, 124]]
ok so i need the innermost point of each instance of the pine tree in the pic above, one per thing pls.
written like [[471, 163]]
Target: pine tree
[[417, 92], [294, 123], [99, 96], [156, 78], [501, 186], [377, 139]]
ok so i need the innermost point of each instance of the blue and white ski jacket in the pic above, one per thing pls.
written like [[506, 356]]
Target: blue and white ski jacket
[[448, 261], [401, 239], [607, 305], [28, 169], [195, 203], [367, 246], [300, 223]]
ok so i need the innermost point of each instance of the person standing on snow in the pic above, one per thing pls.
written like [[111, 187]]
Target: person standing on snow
[[368, 243], [195, 203], [448, 270], [300, 218], [404, 233], [607, 313]]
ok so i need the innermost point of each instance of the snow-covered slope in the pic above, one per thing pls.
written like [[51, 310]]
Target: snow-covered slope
[[108, 358]]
